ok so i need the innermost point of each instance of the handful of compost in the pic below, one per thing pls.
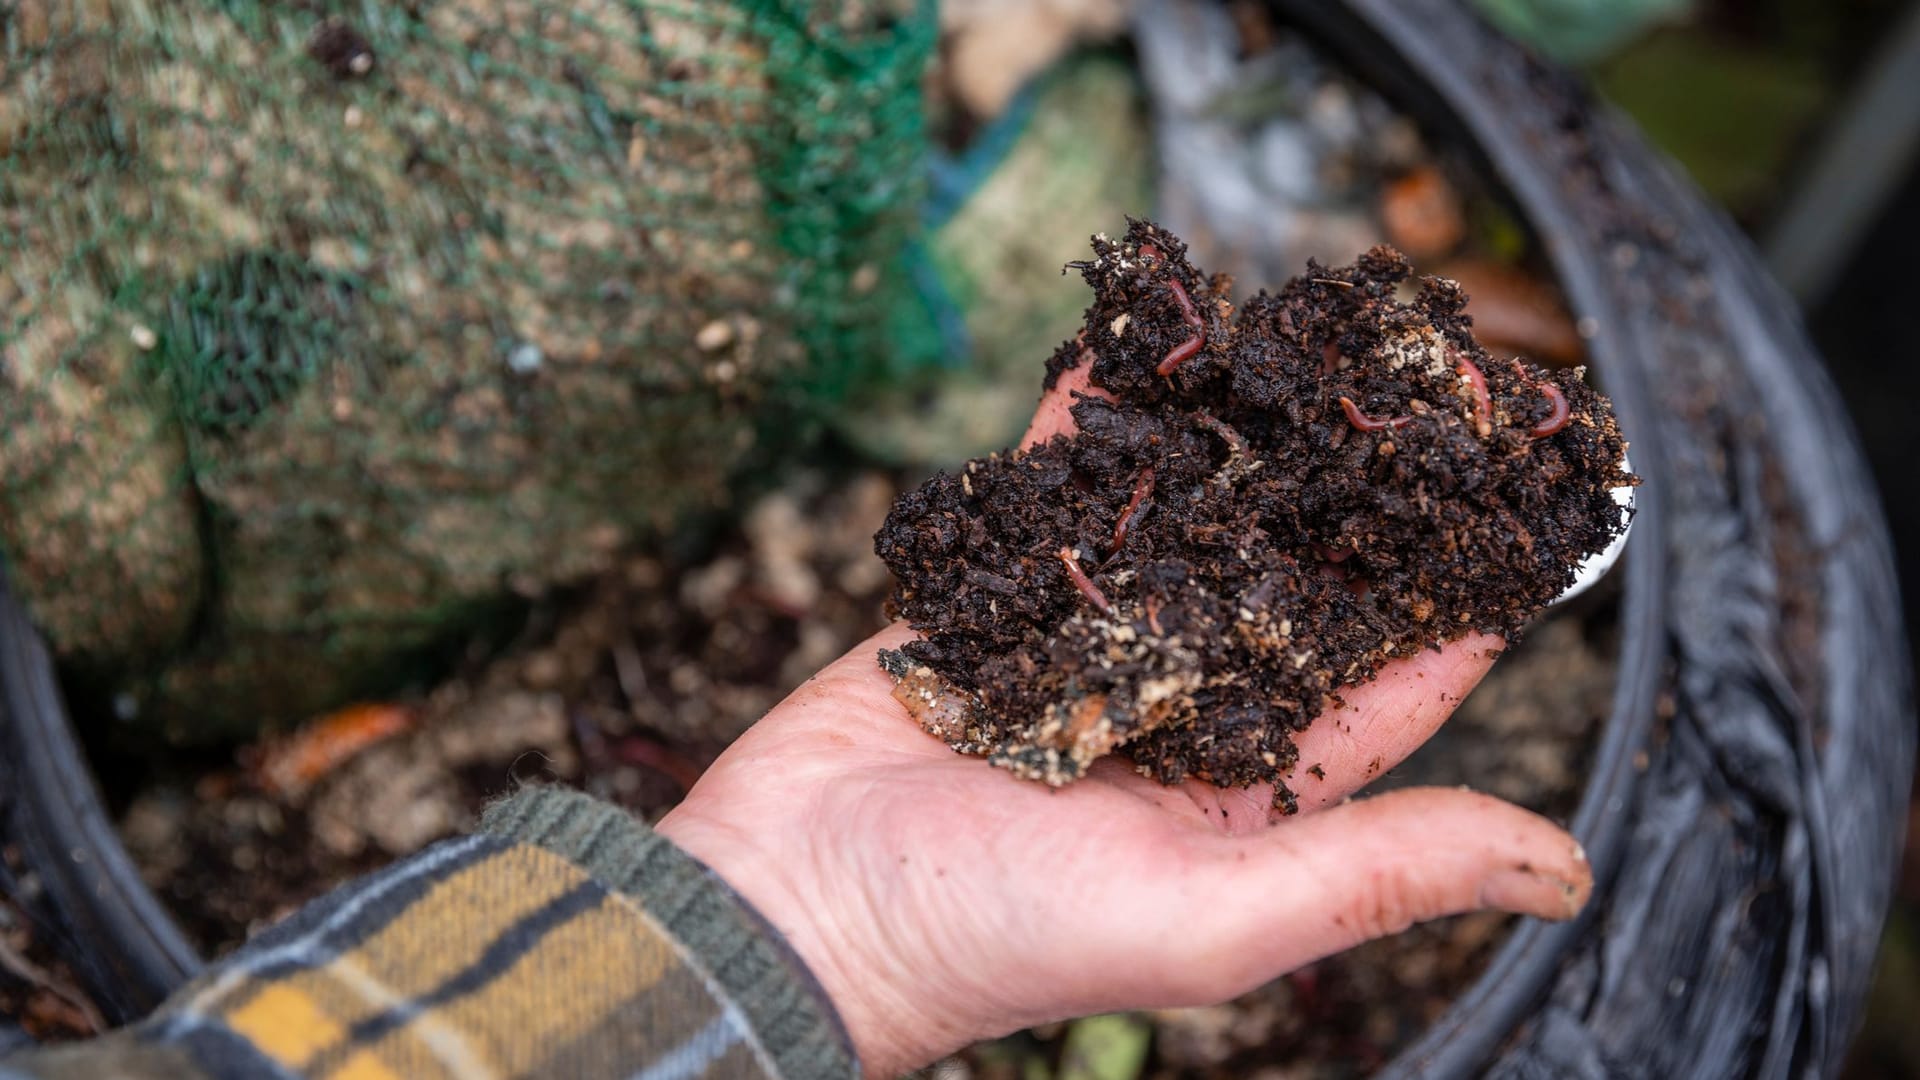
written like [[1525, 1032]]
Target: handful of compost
[[1270, 504]]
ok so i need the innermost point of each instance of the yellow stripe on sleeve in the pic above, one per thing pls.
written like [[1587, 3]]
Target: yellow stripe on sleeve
[[447, 930], [286, 1024], [363, 1065]]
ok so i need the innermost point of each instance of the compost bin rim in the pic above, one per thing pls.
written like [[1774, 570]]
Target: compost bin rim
[[57, 818], [1514, 979], [1865, 702]]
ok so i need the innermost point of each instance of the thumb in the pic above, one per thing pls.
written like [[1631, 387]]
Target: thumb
[[1313, 886]]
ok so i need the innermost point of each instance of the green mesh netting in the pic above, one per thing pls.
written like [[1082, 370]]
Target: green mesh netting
[[324, 325]]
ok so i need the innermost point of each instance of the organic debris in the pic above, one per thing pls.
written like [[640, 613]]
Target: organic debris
[[1272, 504], [41, 999], [292, 764]]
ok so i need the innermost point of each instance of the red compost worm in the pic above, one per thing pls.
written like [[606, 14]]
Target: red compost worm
[[1482, 400], [1556, 419], [1142, 488], [1236, 442], [1084, 583], [1184, 351], [1364, 422]]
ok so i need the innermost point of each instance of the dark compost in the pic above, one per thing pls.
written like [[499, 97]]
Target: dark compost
[[1273, 502]]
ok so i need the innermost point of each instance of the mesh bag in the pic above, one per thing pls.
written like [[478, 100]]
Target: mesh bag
[[325, 325]]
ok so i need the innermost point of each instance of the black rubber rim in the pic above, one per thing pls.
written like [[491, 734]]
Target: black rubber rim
[[1514, 980], [1616, 219], [125, 944]]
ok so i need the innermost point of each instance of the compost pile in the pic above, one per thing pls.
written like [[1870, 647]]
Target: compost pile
[[1271, 504]]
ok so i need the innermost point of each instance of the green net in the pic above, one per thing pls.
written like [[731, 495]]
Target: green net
[[325, 325]]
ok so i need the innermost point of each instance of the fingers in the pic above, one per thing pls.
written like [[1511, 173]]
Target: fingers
[[1054, 415], [1385, 863], [1381, 722], [1248, 909]]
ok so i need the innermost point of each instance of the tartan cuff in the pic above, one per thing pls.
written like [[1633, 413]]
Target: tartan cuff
[[734, 945]]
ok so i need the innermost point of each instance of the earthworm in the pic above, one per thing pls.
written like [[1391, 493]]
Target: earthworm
[[1142, 488], [1482, 400], [1184, 351], [1236, 442], [1084, 583], [1364, 422], [1556, 419]]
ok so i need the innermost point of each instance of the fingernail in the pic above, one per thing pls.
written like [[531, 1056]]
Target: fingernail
[[1532, 893]]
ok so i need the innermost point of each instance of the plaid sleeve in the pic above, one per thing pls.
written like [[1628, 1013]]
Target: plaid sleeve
[[563, 939]]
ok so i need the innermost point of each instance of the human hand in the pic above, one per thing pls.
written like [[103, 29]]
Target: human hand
[[940, 901]]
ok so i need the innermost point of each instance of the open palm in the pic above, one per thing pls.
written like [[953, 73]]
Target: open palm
[[940, 900]]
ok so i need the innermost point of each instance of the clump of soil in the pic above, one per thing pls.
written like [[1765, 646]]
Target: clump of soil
[[1270, 504]]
